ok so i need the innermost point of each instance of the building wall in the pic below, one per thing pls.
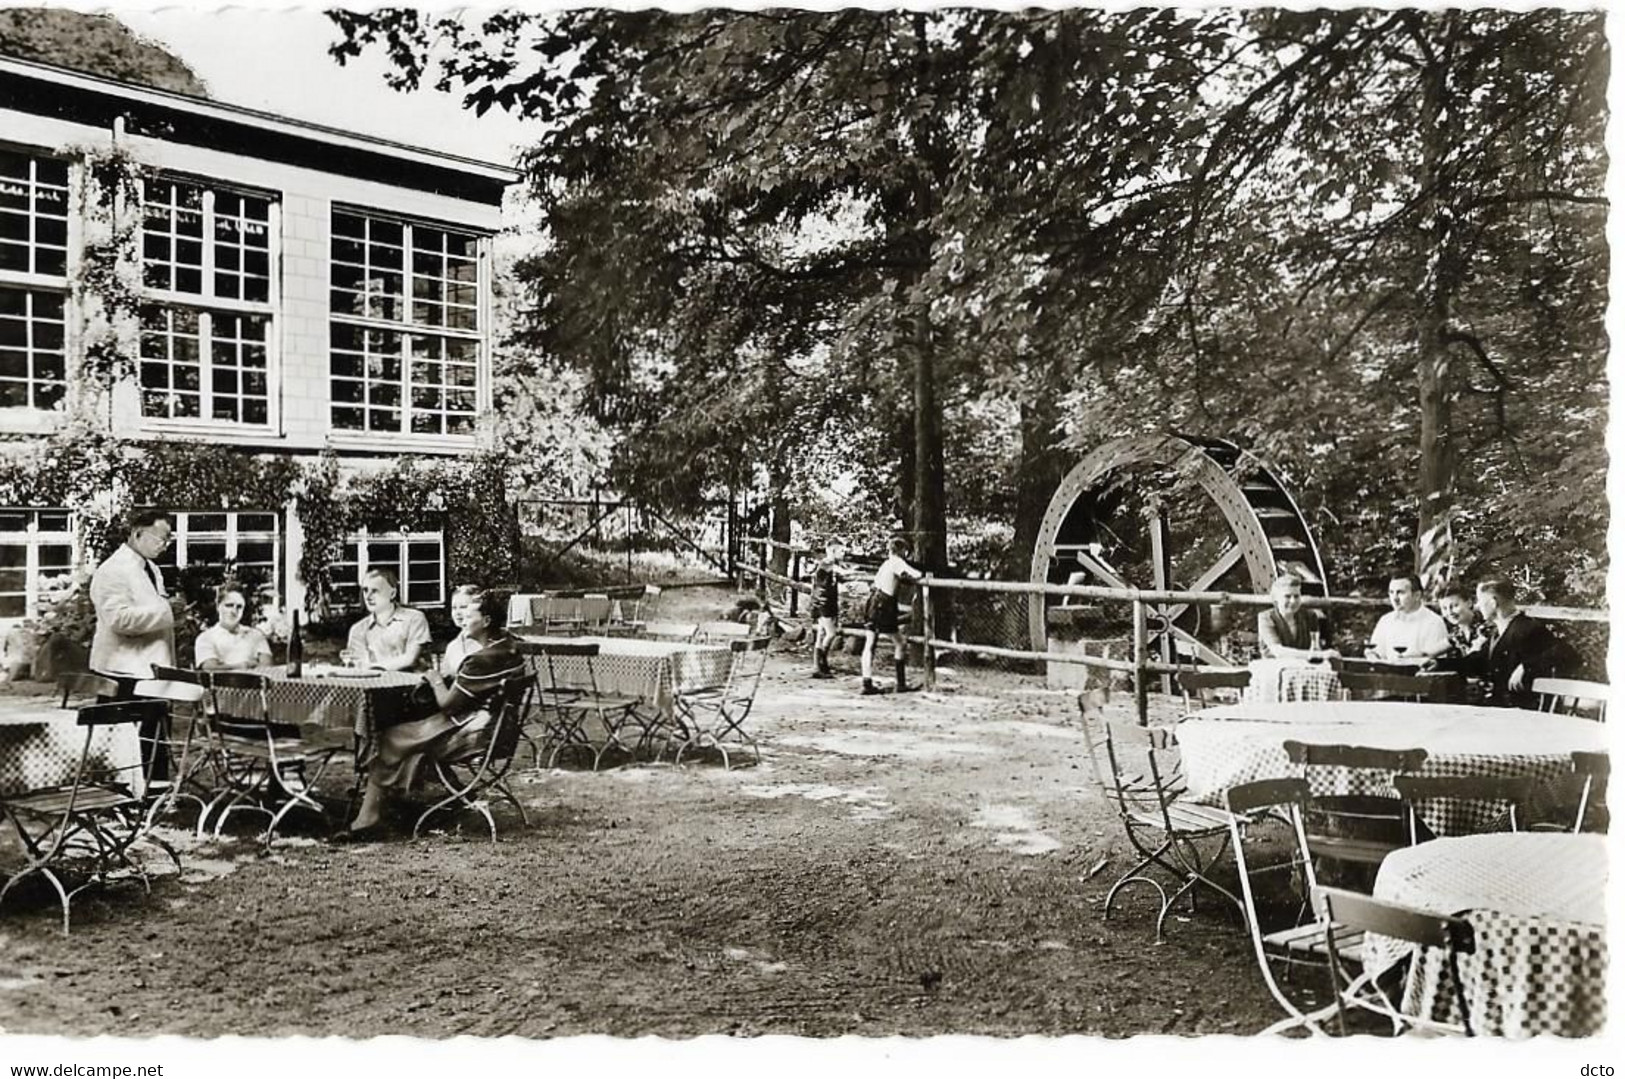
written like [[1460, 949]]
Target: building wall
[[301, 366], [299, 345]]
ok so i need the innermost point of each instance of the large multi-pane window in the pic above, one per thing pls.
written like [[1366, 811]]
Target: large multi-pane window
[[206, 330], [417, 559], [251, 540], [33, 280], [35, 546], [405, 333]]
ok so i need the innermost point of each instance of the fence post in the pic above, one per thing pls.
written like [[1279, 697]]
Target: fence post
[[795, 576], [929, 628], [761, 573], [1140, 703]]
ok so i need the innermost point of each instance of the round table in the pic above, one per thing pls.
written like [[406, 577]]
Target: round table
[[1536, 904], [1239, 743]]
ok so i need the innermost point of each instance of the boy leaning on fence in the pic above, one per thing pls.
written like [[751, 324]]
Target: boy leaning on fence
[[883, 615], [826, 606]]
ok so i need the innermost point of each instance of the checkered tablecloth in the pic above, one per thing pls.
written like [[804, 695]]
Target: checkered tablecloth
[[650, 670], [40, 746], [332, 702], [1536, 905], [1223, 747], [1291, 680]]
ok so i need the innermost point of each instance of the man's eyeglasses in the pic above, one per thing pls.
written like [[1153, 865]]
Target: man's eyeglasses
[[164, 538]]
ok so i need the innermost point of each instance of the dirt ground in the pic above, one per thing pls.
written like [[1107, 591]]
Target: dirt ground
[[916, 865]]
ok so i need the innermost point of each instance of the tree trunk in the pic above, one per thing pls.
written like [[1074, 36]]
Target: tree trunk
[[1041, 469], [1435, 482]]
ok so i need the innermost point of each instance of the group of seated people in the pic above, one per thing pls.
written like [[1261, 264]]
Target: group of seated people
[[443, 717], [1490, 639]]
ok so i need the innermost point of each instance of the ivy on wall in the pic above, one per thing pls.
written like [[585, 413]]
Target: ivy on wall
[[106, 283]]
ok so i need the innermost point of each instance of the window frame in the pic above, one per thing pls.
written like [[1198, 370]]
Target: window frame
[[177, 556], [31, 283], [362, 538], [408, 332], [208, 305], [33, 539]]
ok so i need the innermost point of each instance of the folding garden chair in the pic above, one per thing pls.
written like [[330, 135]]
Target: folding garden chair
[[557, 612], [712, 716], [183, 738], [96, 819], [262, 769], [566, 705], [484, 770], [1144, 778], [671, 631], [1351, 910], [1361, 827], [645, 607], [1572, 696], [1203, 688], [86, 688], [1506, 792], [594, 611], [721, 632], [1301, 939]]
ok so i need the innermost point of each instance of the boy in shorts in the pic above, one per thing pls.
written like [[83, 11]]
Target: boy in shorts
[[826, 607], [883, 614]]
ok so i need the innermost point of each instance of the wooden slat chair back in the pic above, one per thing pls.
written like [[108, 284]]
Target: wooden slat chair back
[[714, 717], [265, 767], [1415, 687], [1357, 829], [1427, 930], [1179, 839], [1203, 688], [1509, 793], [484, 768], [1298, 940], [1572, 697], [96, 819]]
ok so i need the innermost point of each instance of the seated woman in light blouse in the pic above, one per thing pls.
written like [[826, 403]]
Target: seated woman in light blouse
[[390, 637], [228, 645], [452, 713]]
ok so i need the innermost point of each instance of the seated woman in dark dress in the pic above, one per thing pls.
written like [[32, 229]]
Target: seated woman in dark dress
[[452, 714]]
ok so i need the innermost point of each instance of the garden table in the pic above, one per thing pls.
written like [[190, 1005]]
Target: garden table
[[1222, 747], [328, 701], [653, 671], [40, 746], [1291, 680], [1535, 902]]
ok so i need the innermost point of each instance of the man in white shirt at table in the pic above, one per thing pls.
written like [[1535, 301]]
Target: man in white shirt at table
[[1410, 631]]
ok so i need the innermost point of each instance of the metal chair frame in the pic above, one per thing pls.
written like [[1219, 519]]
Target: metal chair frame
[[487, 766], [1594, 767], [1414, 687], [671, 631], [565, 710], [1425, 929], [183, 688], [1166, 831], [1304, 943], [97, 816], [710, 717], [721, 632], [255, 769]]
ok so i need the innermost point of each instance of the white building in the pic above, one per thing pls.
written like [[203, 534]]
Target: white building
[[300, 288]]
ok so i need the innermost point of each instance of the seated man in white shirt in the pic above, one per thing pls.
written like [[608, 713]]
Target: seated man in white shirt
[[1410, 630]]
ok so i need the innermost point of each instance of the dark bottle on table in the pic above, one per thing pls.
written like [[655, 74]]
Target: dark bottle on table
[[296, 650]]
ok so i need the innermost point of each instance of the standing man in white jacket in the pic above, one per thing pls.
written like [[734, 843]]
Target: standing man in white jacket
[[135, 626]]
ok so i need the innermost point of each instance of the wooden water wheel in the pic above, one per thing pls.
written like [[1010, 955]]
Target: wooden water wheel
[[1172, 512]]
